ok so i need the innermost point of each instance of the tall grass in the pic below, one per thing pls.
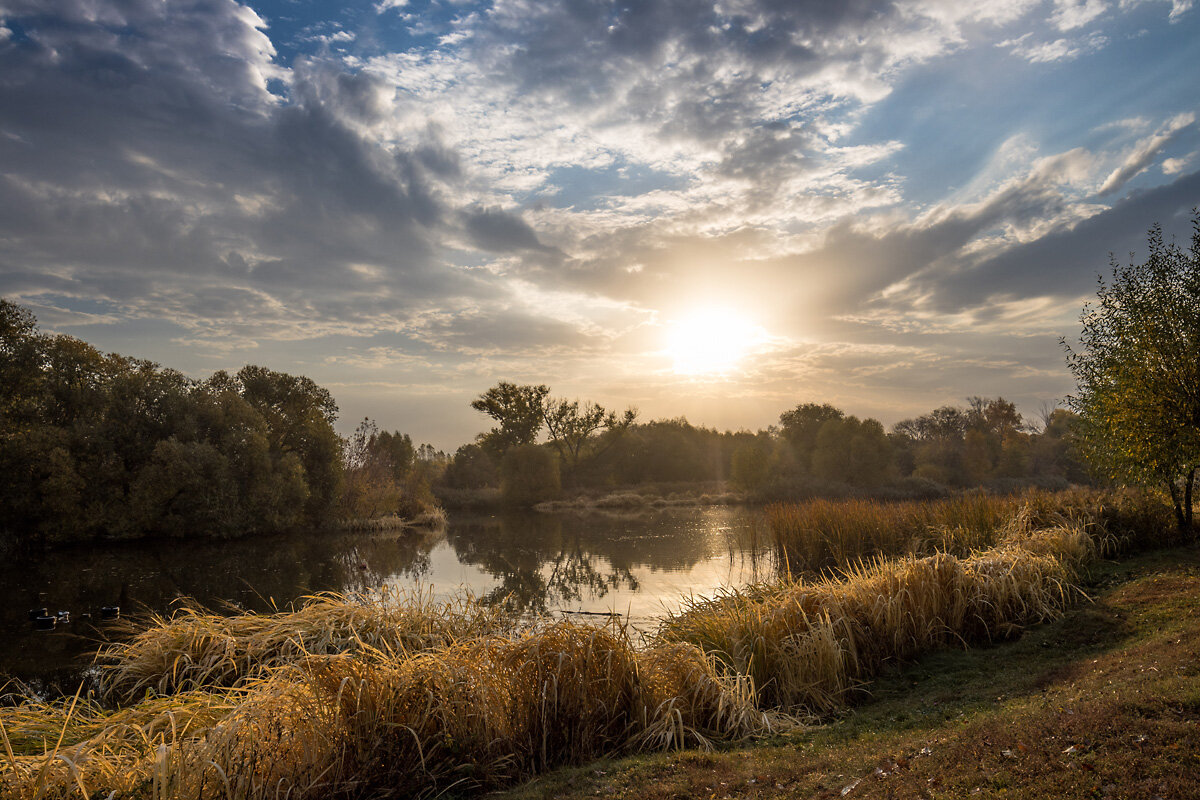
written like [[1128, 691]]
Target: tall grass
[[194, 648], [825, 535], [475, 714], [810, 645], [404, 697]]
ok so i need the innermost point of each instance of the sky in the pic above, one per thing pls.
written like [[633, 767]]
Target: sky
[[715, 210]]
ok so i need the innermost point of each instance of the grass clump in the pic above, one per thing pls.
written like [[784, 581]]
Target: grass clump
[[479, 713], [194, 648], [809, 646]]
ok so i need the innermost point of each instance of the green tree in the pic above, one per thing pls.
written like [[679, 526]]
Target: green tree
[[529, 475], [1138, 374], [800, 426], [583, 431], [300, 417], [520, 410], [752, 462], [471, 468], [852, 451]]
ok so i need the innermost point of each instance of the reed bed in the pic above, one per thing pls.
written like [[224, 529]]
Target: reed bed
[[810, 645], [403, 697], [475, 714], [827, 535], [194, 648], [820, 534]]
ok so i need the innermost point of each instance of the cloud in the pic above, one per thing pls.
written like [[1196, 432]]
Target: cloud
[[1145, 152], [1063, 263], [1173, 166], [530, 188], [1062, 49], [147, 164], [1071, 14]]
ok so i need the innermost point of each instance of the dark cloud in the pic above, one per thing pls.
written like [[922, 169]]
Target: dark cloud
[[493, 230], [146, 162], [1065, 263]]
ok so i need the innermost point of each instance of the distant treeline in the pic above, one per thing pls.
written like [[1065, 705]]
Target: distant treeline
[[96, 445], [101, 445], [816, 449]]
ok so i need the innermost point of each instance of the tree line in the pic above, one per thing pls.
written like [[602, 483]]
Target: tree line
[[97, 445], [100, 445], [815, 449]]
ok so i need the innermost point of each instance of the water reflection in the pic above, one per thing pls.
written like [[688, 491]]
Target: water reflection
[[537, 563], [631, 564]]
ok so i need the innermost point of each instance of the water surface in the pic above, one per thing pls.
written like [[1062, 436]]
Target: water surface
[[635, 565]]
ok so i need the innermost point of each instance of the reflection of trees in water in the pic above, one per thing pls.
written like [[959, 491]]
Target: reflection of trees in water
[[371, 561], [251, 573], [545, 561], [538, 565]]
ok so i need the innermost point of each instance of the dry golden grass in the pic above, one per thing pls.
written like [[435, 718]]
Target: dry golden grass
[[825, 535], [404, 697], [809, 645], [818, 534], [480, 713], [195, 648]]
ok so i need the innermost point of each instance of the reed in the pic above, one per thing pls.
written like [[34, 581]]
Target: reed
[[475, 714], [194, 648], [826, 535], [810, 645]]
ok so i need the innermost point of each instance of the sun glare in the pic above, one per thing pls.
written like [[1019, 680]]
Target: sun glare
[[709, 342]]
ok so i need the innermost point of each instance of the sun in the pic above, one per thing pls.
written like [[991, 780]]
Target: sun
[[710, 341]]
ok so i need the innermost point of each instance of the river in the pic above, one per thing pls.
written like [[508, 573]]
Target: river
[[635, 565]]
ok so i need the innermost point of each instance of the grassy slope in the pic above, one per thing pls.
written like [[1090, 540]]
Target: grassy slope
[[1104, 703]]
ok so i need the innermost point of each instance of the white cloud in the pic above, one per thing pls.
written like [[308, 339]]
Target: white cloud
[[1173, 166], [1062, 49], [1144, 153], [388, 5], [1071, 14]]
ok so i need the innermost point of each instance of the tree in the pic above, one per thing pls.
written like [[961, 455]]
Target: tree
[[520, 410], [752, 462], [852, 451], [573, 429], [1137, 371], [300, 417], [529, 475], [800, 426]]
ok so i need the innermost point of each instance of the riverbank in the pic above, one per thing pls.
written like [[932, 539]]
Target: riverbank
[[312, 699], [1102, 703]]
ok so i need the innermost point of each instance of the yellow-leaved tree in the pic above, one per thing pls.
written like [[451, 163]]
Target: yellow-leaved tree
[[1137, 368]]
